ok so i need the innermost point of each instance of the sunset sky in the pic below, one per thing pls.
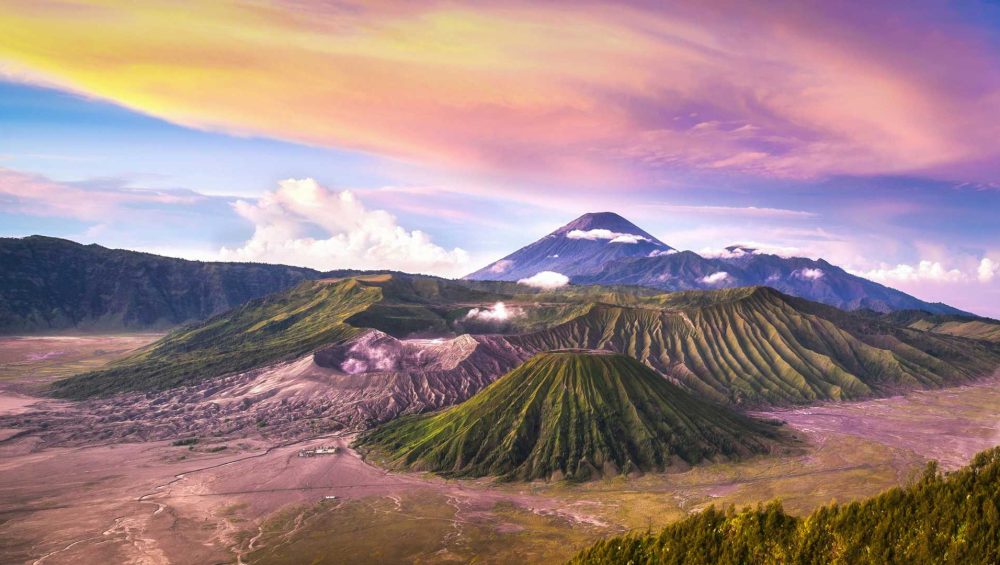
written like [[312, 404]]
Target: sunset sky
[[437, 136]]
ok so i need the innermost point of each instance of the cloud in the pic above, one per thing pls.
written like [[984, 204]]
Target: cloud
[[711, 253], [744, 250], [97, 200], [661, 252], [501, 266], [627, 238], [739, 211], [547, 280], [987, 270], [809, 274], [611, 236], [777, 90], [498, 313], [352, 236], [926, 270], [715, 277], [966, 282]]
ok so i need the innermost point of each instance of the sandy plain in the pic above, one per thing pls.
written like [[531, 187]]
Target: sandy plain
[[253, 499]]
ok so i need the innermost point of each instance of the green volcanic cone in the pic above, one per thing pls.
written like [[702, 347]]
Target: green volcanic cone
[[575, 415]]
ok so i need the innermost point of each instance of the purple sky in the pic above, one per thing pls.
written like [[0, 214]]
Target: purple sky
[[864, 133]]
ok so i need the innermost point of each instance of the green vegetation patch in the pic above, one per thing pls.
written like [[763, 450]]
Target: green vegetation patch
[[270, 329], [952, 518]]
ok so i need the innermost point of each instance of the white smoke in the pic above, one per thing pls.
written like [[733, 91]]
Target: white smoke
[[498, 313]]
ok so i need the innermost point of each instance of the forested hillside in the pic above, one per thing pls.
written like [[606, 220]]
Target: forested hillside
[[952, 518]]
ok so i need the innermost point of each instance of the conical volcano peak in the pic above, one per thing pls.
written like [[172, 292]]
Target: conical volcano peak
[[599, 220], [605, 225], [576, 414], [583, 246]]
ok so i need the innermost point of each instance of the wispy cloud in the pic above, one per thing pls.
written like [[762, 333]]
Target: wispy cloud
[[92, 200], [785, 90], [741, 211]]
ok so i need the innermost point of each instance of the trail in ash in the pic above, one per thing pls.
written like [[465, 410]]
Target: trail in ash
[[118, 524]]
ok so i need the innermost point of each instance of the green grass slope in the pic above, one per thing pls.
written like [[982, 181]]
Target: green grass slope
[[941, 519], [574, 415], [755, 346], [984, 329], [263, 331], [747, 346]]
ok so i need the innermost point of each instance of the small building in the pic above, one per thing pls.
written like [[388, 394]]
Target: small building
[[322, 450]]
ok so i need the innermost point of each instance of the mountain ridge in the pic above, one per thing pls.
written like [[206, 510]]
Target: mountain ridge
[[655, 264], [51, 284], [751, 346]]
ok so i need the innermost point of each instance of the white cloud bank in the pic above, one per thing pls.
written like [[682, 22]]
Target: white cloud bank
[[715, 277], [611, 236], [546, 280], [355, 236], [809, 274], [932, 271], [498, 313]]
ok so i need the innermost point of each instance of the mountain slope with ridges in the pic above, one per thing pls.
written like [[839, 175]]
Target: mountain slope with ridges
[[575, 415], [264, 331], [750, 346], [755, 346]]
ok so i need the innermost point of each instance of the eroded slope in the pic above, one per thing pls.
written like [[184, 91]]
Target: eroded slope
[[573, 414]]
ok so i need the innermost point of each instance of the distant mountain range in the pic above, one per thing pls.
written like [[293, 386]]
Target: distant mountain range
[[49, 284], [604, 248], [750, 346]]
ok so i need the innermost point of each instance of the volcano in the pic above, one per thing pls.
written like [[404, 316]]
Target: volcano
[[606, 249], [573, 414], [581, 247]]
